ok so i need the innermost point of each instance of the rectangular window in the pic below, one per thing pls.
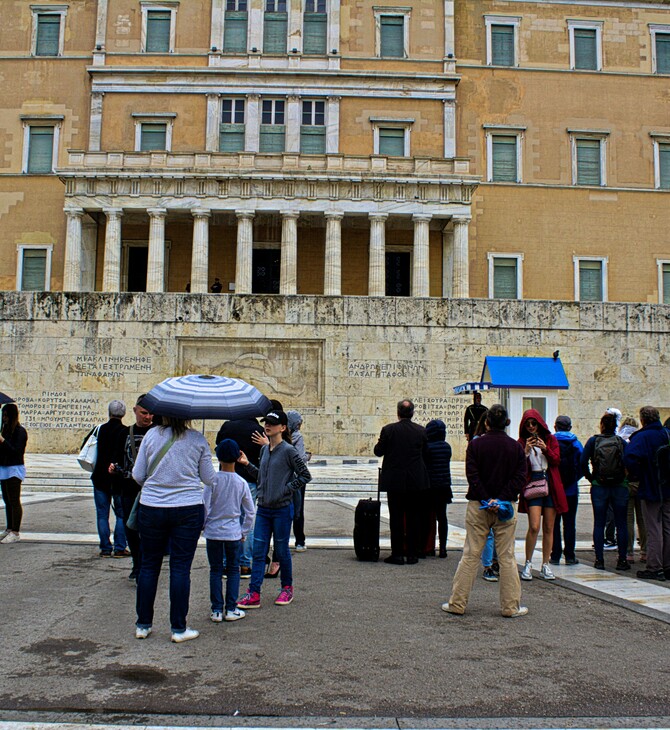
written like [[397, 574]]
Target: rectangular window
[[231, 134], [158, 31], [47, 42], [590, 281], [505, 277], [315, 28], [392, 36], [586, 49], [392, 141], [664, 166], [40, 149], [273, 129], [502, 45], [662, 46], [153, 136], [504, 158], [33, 269], [589, 165], [235, 26], [313, 129], [275, 26], [665, 283]]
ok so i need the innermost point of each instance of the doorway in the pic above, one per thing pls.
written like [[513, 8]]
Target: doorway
[[398, 273], [266, 265]]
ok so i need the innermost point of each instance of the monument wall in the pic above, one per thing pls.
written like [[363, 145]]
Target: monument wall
[[343, 362]]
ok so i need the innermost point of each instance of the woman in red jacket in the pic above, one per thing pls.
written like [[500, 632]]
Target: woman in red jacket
[[543, 456]]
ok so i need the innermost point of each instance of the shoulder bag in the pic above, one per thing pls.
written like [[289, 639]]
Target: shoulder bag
[[131, 521], [88, 455]]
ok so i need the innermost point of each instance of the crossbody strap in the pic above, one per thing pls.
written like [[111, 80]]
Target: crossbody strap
[[159, 456], [133, 445]]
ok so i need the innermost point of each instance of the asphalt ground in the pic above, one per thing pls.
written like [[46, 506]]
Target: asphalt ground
[[362, 645]]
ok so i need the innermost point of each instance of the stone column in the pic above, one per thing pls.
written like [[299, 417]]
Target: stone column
[[295, 17], [255, 25], [101, 24], [420, 272], [212, 124], [253, 125], [95, 125], [293, 119], [447, 261], [333, 125], [73, 250], [156, 256], [332, 277], [334, 26], [461, 278], [449, 128], [216, 27], [377, 266], [111, 271], [245, 251], [288, 271], [200, 253]]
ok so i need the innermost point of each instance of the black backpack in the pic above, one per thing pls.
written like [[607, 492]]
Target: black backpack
[[570, 472], [608, 468]]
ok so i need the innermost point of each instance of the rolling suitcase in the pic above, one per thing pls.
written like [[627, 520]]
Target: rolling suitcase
[[366, 528]]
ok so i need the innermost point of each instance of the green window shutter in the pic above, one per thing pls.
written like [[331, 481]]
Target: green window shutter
[[34, 269], [502, 45], [158, 31], [312, 140], [392, 30], [588, 162], [40, 149], [504, 163], [272, 137], [48, 34], [666, 283], [231, 138], [505, 279], [235, 32], [664, 165], [314, 33], [392, 142], [663, 53], [153, 137], [275, 32], [586, 49], [590, 281]]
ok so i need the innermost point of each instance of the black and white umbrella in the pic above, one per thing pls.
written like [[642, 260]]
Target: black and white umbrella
[[206, 396]]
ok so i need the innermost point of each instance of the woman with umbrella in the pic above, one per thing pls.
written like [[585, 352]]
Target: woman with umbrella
[[13, 439]]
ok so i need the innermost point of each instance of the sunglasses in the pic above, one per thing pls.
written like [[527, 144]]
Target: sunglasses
[[531, 422]]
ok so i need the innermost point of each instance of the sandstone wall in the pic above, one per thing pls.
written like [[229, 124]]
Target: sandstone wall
[[343, 362]]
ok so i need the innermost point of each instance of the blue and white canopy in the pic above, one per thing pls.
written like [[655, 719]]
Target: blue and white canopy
[[206, 396]]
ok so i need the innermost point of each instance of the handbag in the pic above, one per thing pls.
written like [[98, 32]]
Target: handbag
[[536, 488], [89, 451], [131, 520]]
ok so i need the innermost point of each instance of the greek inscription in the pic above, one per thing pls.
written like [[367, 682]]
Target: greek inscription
[[60, 410], [385, 369]]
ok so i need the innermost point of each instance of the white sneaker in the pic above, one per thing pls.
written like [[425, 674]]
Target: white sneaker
[[521, 612], [216, 616], [447, 608], [3, 535], [527, 572], [142, 633], [547, 573], [300, 548], [11, 537], [235, 615], [185, 635]]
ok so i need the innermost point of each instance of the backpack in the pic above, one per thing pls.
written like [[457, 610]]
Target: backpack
[[662, 463], [608, 468], [570, 472]]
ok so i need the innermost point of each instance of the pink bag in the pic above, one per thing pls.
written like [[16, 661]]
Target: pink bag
[[536, 488]]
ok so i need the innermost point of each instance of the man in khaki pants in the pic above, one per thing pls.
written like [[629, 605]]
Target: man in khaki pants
[[495, 466]]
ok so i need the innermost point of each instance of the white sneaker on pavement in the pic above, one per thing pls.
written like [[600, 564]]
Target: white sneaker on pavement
[[527, 572], [547, 573], [517, 614], [11, 537], [235, 615], [216, 616], [142, 633], [185, 635]]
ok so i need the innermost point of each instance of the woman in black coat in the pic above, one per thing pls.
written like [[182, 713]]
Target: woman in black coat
[[13, 439], [438, 459]]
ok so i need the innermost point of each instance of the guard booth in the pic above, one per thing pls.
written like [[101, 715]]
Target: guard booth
[[521, 383]]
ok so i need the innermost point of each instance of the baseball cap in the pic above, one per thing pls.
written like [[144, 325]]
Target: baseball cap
[[276, 418], [563, 423]]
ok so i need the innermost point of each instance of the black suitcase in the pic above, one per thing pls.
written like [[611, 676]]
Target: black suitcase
[[366, 528]]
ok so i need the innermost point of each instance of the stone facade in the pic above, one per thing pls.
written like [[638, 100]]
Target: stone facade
[[344, 362]]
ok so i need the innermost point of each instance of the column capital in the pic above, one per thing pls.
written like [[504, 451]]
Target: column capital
[[74, 212], [245, 214], [253, 97], [293, 97], [427, 217], [449, 101], [379, 217], [113, 212], [214, 95], [157, 212], [201, 212], [461, 218], [334, 98], [335, 215], [290, 214]]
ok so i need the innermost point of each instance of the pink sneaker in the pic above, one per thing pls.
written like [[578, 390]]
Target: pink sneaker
[[285, 597], [251, 599]]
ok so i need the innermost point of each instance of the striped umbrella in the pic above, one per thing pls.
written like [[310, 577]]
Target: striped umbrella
[[206, 396], [7, 399]]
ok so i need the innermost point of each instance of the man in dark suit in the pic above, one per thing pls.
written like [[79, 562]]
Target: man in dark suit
[[403, 477]]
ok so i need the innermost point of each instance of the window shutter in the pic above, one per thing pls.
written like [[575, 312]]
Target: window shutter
[[663, 53], [272, 137], [40, 149], [502, 45], [586, 50], [153, 137], [590, 281], [34, 268], [231, 138], [48, 34], [315, 26], [235, 32], [392, 28], [158, 31], [505, 279], [392, 142], [588, 162], [504, 153], [312, 140], [274, 32], [664, 165], [666, 283]]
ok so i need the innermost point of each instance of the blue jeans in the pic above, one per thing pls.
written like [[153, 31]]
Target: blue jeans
[[248, 544], [181, 528], [601, 498], [271, 522], [215, 551], [489, 550], [103, 502]]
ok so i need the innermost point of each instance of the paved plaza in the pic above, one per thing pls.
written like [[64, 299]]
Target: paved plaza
[[362, 645]]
